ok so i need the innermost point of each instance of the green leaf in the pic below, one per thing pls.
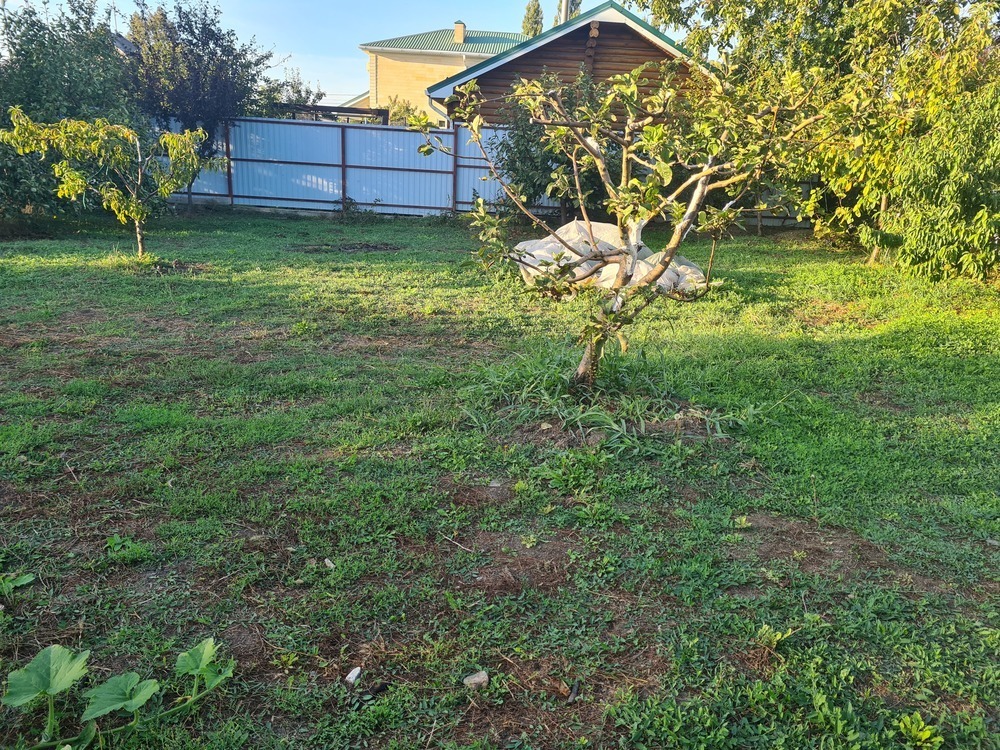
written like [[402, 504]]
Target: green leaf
[[53, 671], [196, 661], [121, 692], [216, 674]]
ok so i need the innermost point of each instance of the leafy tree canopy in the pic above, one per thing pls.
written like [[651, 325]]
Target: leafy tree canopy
[[190, 69]]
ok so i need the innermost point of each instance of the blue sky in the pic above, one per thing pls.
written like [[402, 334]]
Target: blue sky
[[322, 38]]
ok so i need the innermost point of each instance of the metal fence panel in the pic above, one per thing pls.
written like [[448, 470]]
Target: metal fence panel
[[286, 141]]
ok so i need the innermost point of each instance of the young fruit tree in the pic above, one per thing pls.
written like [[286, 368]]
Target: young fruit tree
[[129, 174], [691, 142]]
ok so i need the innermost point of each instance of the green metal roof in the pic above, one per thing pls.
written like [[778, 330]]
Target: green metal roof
[[443, 40]]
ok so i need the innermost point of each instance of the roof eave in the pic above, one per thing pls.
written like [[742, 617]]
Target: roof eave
[[404, 50]]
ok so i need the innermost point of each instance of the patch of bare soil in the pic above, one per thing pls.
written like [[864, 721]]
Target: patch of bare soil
[[349, 248], [821, 314], [474, 496], [164, 267], [827, 550], [245, 642], [548, 435], [880, 400], [515, 566]]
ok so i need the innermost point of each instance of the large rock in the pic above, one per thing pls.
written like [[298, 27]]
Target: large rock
[[538, 256]]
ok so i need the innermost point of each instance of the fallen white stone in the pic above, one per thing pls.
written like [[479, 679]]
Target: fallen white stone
[[476, 681]]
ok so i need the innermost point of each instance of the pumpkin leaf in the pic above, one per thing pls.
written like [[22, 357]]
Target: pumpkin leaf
[[122, 692], [54, 670]]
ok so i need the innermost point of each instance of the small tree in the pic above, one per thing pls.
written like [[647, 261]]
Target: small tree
[[275, 97], [692, 131], [400, 110], [112, 162], [533, 19]]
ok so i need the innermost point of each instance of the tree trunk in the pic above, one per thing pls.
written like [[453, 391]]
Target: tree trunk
[[140, 238], [586, 372], [883, 209]]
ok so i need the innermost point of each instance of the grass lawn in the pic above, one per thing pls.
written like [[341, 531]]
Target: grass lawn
[[334, 444]]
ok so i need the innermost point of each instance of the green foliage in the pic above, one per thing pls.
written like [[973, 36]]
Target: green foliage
[[918, 734], [943, 217], [574, 10], [56, 63], [122, 692], [275, 97], [188, 68], [54, 670], [113, 162], [57, 669], [907, 149], [400, 111], [534, 20], [11, 581]]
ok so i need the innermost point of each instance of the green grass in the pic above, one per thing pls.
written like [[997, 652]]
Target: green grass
[[341, 444]]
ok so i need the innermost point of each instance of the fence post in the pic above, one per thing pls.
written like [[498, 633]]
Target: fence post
[[454, 167], [343, 167], [229, 168]]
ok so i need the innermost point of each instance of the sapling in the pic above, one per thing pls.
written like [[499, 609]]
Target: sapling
[[126, 171]]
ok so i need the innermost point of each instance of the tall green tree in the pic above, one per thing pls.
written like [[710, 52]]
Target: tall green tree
[[190, 70], [533, 19], [574, 10]]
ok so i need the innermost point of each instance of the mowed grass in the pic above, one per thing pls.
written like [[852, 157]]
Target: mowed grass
[[337, 444]]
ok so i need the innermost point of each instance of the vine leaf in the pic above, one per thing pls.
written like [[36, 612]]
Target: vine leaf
[[121, 692], [197, 661], [54, 670], [216, 674]]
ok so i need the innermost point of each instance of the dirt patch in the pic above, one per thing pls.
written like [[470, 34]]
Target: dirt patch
[[475, 496], [827, 550], [164, 267], [689, 423], [881, 400], [821, 314], [349, 248], [553, 435], [245, 642], [519, 562]]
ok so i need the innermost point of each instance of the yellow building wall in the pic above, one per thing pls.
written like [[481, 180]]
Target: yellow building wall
[[408, 76]]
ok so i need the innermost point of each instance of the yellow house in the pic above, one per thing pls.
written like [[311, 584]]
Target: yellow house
[[405, 67]]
